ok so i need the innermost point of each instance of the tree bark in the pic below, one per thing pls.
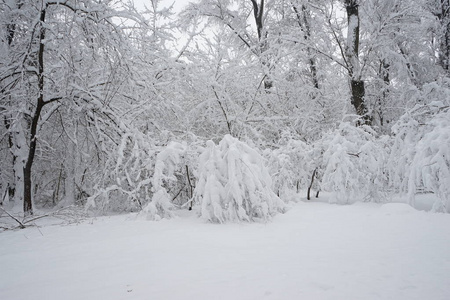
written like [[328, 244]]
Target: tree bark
[[27, 197], [384, 75], [303, 20], [358, 93], [443, 15], [258, 13], [191, 189], [308, 196], [11, 188], [357, 87], [14, 136]]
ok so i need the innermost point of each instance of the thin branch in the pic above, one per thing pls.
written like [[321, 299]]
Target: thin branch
[[21, 225], [223, 110]]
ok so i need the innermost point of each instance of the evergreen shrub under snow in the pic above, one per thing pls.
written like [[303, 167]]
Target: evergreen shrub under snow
[[234, 184]]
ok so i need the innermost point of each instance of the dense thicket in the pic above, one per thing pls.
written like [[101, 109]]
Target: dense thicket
[[111, 108]]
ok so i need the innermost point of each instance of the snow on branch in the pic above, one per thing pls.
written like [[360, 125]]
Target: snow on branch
[[354, 161], [420, 155], [234, 184], [167, 161]]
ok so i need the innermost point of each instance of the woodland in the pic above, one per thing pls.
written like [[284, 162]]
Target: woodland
[[232, 107]]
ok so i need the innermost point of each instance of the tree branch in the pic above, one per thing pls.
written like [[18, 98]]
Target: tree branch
[[21, 225]]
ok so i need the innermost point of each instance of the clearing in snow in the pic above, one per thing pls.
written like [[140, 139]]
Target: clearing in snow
[[314, 251]]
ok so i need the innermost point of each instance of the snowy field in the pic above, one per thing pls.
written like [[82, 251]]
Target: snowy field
[[314, 251]]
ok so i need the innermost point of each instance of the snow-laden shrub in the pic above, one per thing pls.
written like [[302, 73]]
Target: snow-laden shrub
[[167, 162], [353, 163], [431, 164], [140, 176], [234, 184], [407, 132], [291, 166], [420, 158], [124, 183]]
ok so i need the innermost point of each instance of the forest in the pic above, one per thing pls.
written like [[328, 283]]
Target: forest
[[231, 107]]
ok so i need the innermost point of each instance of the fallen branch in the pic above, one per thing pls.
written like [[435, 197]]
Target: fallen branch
[[21, 225], [62, 214]]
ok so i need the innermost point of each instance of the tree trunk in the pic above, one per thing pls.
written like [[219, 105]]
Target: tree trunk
[[384, 75], [11, 188], [18, 149], [357, 98], [353, 65], [258, 13], [303, 20], [308, 196], [443, 15], [27, 197], [191, 189], [13, 124]]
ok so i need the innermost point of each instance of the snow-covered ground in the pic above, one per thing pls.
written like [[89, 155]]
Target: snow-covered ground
[[314, 251]]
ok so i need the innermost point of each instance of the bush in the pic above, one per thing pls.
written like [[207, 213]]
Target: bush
[[420, 160], [234, 184], [353, 163]]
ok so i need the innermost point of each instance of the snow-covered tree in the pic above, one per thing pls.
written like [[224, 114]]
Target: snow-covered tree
[[234, 184], [419, 161], [430, 167], [50, 47], [172, 174], [354, 164], [292, 166]]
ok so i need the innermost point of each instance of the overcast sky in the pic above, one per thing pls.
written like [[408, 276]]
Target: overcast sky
[[178, 4]]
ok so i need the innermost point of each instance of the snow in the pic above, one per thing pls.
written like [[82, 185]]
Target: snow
[[314, 251], [234, 183]]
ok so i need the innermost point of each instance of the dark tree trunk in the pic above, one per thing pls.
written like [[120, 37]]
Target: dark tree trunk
[[11, 185], [384, 75], [444, 47], [357, 98], [27, 198], [258, 13], [191, 189], [308, 196]]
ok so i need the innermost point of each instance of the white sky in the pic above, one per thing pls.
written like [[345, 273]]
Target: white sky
[[178, 4]]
